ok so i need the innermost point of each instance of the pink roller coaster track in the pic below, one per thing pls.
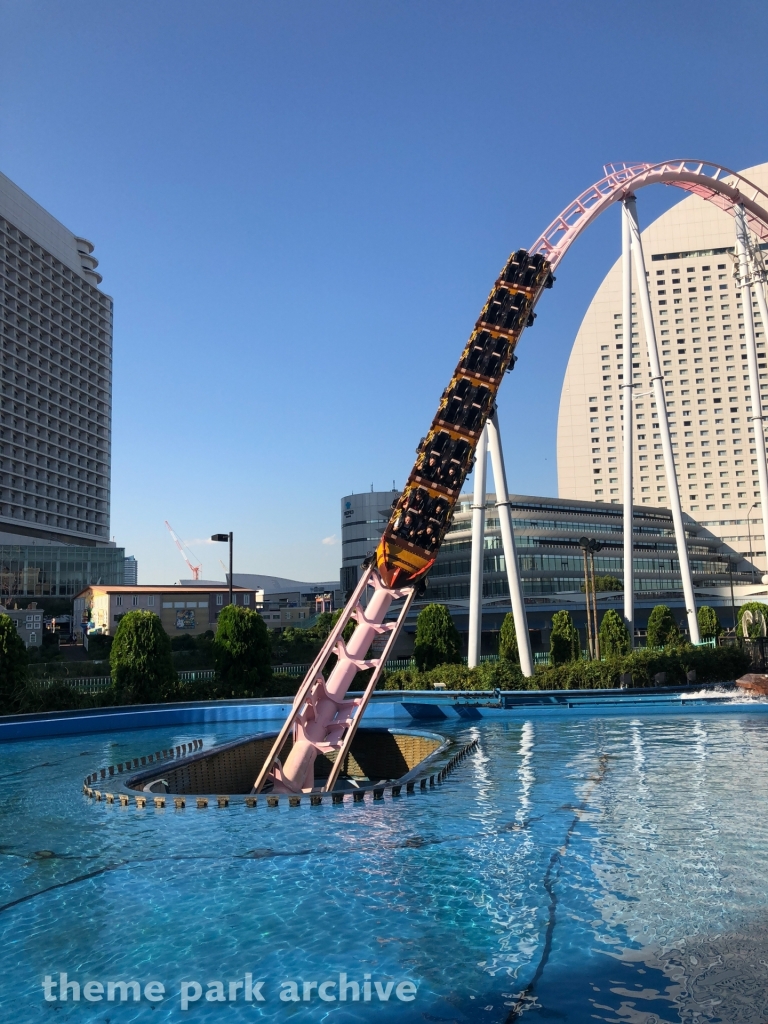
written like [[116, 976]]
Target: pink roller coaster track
[[323, 720], [724, 188]]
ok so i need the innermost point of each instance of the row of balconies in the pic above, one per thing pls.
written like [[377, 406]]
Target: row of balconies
[[39, 264]]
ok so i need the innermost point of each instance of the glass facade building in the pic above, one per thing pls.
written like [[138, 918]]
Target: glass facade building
[[41, 570], [547, 533]]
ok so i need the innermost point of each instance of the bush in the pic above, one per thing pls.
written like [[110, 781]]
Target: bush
[[241, 651], [718, 665], [140, 659], [491, 675], [61, 697], [709, 624], [13, 665], [437, 639], [508, 650], [759, 617], [99, 646], [662, 628], [614, 635], [564, 642], [302, 643], [604, 583]]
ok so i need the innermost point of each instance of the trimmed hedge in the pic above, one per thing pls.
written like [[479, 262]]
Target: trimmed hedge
[[711, 664]]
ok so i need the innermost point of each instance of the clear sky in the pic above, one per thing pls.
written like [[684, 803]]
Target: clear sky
[[300, 208]]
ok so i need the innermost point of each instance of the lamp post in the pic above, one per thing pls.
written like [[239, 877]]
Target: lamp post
[[584, 545], [223, 538], [733, 603], [593, 547], [755, 504], [589, 546]]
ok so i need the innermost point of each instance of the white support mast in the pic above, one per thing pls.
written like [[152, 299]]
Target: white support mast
[[478, 552], [508, 544], [661, 406], [628, 417], [748, 275]]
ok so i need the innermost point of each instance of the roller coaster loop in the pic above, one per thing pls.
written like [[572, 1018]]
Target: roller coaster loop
[[322, 720]]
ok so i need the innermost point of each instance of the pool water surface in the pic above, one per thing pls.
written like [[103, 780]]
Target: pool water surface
[[592, 869]]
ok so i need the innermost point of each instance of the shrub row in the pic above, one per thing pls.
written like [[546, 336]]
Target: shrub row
[[711, 664]]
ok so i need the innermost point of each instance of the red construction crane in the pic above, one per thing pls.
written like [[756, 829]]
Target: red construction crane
[[194, 569]]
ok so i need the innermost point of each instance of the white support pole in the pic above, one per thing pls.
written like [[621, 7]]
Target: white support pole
[[478, 553], [508, 544], [643, 295], [745, 283], [627, 392]]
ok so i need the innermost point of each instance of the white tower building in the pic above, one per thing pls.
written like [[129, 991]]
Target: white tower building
[[697, 310]]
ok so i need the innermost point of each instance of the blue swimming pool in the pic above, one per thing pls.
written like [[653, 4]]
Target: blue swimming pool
[[574, 868]]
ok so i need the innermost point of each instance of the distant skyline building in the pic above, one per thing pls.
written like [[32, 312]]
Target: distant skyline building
[[55, 380], [363, 518], [131, 571], [698, 315]]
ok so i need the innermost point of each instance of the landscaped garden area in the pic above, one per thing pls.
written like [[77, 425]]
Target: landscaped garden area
[[141, 664]]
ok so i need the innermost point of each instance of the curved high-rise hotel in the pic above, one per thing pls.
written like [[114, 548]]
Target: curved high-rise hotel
[[697, 309]]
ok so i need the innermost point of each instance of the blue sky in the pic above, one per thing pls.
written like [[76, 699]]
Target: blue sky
[[299, 209]]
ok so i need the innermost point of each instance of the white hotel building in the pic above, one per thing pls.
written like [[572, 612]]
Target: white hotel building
[[697, 310]]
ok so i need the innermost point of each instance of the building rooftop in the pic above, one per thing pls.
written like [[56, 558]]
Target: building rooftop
[[161, 589]]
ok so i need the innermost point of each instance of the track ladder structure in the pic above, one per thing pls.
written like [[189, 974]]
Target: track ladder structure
[[323, 720]]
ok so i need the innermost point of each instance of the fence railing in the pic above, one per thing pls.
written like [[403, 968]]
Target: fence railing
[[97, 684]]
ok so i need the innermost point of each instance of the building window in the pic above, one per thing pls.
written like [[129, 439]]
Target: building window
[[246, 598], [135, 600], [119, 600], [219, 599], [33, 638], [151, 601]]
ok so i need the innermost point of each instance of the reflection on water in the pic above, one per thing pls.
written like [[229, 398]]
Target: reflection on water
[[609, 869]]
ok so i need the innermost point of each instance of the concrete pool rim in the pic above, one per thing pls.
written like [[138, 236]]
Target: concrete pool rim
[[414, 707]]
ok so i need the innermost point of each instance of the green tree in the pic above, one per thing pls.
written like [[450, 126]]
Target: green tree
[[604, 583], [614, 635], [662, 628], [508, 639], [349, 629], [758, 616], [242, 652], [437, 639], [140, 659], [709, 624], [564, 641], [13, 665]]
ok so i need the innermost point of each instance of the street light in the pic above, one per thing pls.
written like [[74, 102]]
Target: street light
[[589, 546], [755, 504], [223, 538], [733, 603]]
